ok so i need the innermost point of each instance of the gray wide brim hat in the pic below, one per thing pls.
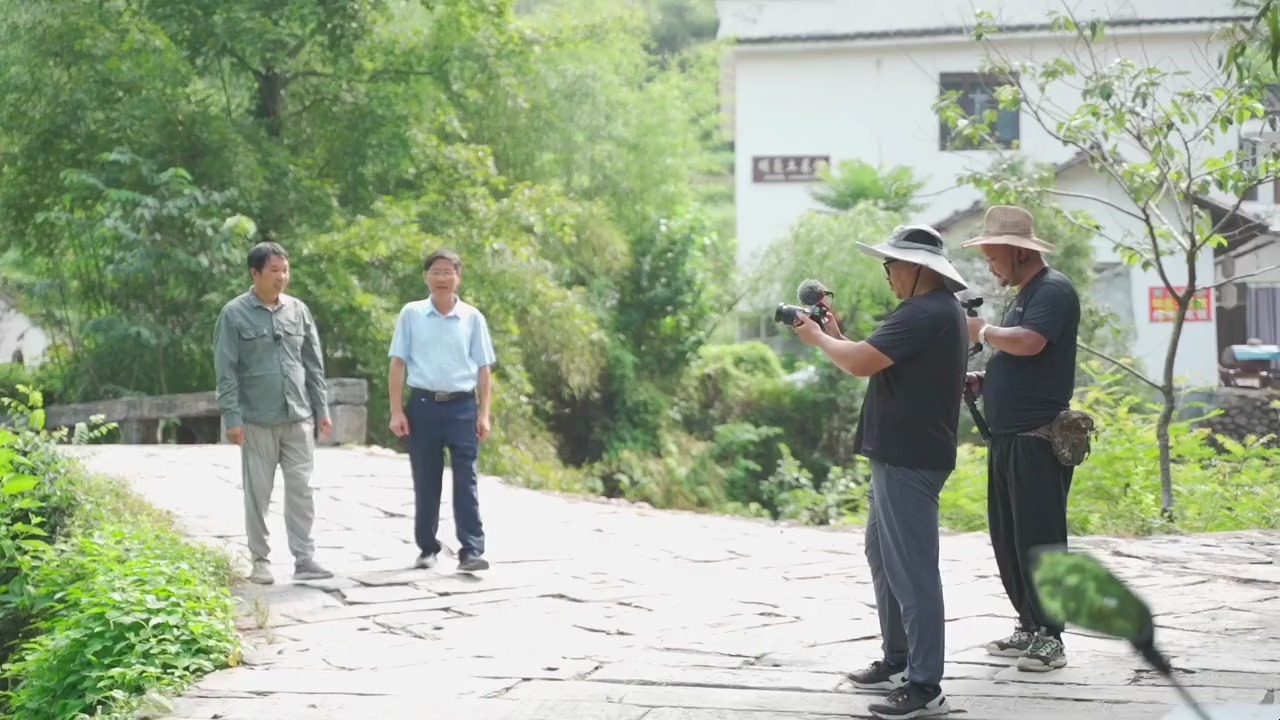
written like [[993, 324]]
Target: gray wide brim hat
[[922, 245]]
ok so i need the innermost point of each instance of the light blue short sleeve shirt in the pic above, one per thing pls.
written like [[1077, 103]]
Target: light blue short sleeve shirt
[[444, 353]]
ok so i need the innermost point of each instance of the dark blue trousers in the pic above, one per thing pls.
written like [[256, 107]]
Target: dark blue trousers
[[433, 427]]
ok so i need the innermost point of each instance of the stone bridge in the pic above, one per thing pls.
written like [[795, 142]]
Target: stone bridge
[[602, 611]]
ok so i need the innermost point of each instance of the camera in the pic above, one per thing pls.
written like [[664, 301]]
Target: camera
[[789, 314], [971, 309], [813, 297]]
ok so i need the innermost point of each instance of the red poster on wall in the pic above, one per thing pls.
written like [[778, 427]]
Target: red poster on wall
[[1164, 306]]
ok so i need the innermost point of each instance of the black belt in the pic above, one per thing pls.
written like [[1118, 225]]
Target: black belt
[[442, 397]]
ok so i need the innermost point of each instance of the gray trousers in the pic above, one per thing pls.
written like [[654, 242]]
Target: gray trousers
[[290, 447], [902, 550]]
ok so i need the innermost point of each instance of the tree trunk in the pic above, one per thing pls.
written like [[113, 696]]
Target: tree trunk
[[1168, 393], [1166, 450], [271, 85]]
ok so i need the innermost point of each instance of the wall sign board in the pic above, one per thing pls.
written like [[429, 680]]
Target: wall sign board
[[1163, 307], [788, 168]]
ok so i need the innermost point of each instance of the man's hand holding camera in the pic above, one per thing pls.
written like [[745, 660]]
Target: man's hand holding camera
[[976, 324], [973, 383], [811, 333]]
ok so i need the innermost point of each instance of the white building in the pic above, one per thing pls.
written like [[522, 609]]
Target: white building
[[847, 79], [21, 342]]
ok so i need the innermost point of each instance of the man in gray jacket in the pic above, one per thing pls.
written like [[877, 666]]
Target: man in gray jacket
[[272, 394]]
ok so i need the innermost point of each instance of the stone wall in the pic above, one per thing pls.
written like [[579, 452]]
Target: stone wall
[[141, 418], [1245, 411]]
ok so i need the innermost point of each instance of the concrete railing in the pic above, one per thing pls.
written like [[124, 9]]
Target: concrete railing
[[139, 417]]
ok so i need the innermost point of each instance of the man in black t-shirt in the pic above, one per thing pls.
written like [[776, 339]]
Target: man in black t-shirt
[[915, 361], [1028, 382]]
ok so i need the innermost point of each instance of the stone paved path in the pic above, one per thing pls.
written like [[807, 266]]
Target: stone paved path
[[598, 611]]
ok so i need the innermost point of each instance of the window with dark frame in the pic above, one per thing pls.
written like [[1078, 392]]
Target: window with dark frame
[[977, 97], [1249, 161], [1249, 151]]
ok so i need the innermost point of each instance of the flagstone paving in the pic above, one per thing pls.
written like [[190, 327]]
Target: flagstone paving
[[596, 610]]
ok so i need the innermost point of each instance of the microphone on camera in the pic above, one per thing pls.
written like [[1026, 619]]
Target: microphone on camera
[[812, 292]]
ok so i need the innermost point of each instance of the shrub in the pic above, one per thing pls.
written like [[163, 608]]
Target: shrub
[[748, 416], [747, 454], [840, 499], [34, 505], [723, 384], [123, 610], [106, 599]]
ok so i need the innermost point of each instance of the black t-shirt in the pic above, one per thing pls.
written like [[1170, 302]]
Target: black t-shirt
[[912, 408], [1024, 393]]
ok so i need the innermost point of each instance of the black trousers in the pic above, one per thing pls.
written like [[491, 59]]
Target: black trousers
[[433, 428], [1026, 507]]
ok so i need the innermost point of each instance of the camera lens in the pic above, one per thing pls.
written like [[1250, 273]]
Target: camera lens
[[786, 314]]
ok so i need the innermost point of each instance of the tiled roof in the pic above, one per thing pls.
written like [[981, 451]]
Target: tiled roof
[[946, 30]]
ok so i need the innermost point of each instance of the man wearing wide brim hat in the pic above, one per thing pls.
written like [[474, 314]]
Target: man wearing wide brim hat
[[919, 245], [1010, 226], [1027, 385], [915, 360]]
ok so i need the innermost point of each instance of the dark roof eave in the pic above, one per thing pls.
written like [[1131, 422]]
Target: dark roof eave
[[954, 218], [960, 30]]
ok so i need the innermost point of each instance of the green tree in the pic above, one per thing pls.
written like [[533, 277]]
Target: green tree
[[1255, 45], [855, 181], [1154, 136], [142, 255], [555, 151], [595, 115], [674, 26], [824, 247]]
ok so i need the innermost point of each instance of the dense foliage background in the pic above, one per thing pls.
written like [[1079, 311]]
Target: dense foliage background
[[572, 152]]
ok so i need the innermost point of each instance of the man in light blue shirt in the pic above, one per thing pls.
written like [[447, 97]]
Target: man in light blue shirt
[[442, 349]]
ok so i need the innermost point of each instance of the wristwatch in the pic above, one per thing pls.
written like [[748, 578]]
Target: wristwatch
[[982, 334]]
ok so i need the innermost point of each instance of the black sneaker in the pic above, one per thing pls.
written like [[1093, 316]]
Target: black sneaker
[[1046, 653], [880, 676], [912, 701], [425, 562], [1013, 646], [472, 562]]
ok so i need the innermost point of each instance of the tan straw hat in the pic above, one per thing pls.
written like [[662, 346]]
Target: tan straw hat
[[1009, 225]]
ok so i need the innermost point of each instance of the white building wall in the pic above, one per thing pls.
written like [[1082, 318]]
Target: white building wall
[[17, 334], [873, 100], [874, 103], [1263, 254]]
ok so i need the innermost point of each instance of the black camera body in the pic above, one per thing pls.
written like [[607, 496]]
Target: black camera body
[[790, 314], [971, 309]]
